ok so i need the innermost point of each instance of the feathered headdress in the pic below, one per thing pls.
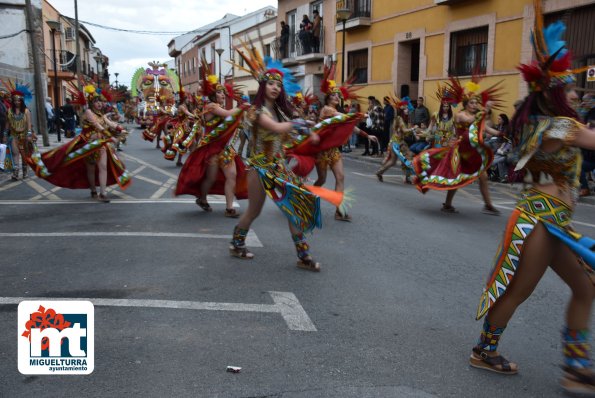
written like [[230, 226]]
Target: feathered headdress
[[303, 100], [264, 69], [454, 93], [91, 92], [18, 90], [398, 103], [551, 68], [211, 84], [329, 86]]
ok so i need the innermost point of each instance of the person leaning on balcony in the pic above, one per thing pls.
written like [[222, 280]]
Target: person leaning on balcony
[[284, 39], [316, 27], [305, 35]]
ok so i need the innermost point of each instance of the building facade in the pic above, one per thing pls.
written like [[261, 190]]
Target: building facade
[[407, 47], [304, 52]]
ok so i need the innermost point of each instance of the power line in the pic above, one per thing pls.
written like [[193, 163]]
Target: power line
[[13, 34], [140, 32]]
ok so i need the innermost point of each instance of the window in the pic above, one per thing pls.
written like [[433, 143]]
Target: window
[[267, 50], [316, 5], [69, 33], [468, 52], [357, 66]]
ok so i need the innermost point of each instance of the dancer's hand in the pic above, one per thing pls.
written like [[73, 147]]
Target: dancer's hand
[[314, 138], [373, 138]]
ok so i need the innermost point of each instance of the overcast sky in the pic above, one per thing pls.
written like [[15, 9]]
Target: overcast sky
[[128, 51]]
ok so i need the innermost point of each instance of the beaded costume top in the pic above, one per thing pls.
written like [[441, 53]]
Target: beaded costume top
[[561, 167], [266, 142], [17, 123]]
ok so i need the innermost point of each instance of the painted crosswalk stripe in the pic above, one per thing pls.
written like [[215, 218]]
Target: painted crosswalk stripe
[[251, 239], [285, 303]]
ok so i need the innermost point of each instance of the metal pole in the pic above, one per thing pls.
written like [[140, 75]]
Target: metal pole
[[56, 91], [219, 67], [343, 56], [37, 78], [78, 46]]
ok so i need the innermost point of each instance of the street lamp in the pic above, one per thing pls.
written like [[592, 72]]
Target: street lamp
[[56, 26], [343, 15], [219, 51], [116, 73]]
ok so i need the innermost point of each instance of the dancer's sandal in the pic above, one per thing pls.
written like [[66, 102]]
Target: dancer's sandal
[[448, 209], [379, 176], [93, 194], [342, 217], [231, 213], [103, 198], [481, 360], [309, 264], [203, 204], [576, 382], [240, 252]]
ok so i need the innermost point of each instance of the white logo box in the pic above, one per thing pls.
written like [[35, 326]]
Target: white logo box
[[78, 360]]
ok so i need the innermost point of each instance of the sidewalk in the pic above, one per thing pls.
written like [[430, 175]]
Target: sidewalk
[[355, 156]]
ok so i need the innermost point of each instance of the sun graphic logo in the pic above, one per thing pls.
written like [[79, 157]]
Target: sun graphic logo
[[56, 337]]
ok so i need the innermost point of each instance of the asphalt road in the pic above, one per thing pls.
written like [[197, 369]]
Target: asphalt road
[[390, 315]]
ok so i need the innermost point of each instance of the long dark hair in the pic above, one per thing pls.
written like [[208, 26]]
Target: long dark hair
[[13, 106], [282, 103], [539, 103], [441, 112]]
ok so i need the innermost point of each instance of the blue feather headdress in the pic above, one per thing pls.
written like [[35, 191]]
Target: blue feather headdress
[[263, 69], [17, 89]]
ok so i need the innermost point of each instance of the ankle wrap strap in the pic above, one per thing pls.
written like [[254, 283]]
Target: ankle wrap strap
[[239, 237], [576, 348], [489, 337], [301, 245]]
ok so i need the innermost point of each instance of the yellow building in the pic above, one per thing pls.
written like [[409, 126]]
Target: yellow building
[[407, 47]]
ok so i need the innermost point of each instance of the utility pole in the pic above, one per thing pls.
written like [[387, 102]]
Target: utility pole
[[79, 72], [39, 100]]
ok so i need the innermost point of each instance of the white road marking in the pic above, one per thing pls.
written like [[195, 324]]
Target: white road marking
[[285, 303], [149, 180], [153, 167], [115, 201], [251, 239]]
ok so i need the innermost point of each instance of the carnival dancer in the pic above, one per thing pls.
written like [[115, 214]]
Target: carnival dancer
[[467, 158], [331, 158], [160, 121], [268, 174], [442, 122], [18, 131], [214, 167], [184, 134], [538, 233], [90, 157], [398, 147]]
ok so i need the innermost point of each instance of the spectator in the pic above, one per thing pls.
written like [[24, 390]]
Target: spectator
[[420, 114], [421, 134], [353, 108], [68, 114], [284, 39], [389, 116], [316, 30], [49, 113], [305, 35], [376, 115]]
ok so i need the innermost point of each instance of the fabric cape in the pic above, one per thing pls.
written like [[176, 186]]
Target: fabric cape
[[196, 165]]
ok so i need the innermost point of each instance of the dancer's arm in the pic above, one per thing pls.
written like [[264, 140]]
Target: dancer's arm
[[584, 137], [218, 110], [267, 123], [186, 112]]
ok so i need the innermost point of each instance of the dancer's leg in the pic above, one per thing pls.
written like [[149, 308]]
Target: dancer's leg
[[230, 173], [321, 173], [256, 198], [209, 178]]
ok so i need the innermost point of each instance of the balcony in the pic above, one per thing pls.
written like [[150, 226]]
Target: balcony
[[66, 62], [300, 48], [360, 14]]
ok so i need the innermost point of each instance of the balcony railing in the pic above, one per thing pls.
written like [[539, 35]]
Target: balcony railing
[[358, 8], [299, 44], [66, 61]]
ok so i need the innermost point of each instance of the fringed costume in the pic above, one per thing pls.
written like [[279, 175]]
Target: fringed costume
[[547, 151], [67, 164]]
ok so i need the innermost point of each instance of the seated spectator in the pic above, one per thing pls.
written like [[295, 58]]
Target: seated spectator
[[422, 138]]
